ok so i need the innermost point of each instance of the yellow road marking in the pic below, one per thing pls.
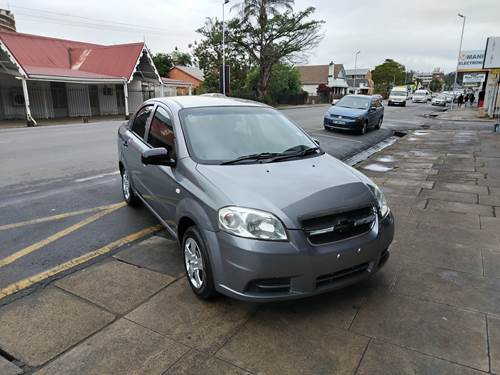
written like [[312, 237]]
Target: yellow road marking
[[29, 281], [38, 245], [56, 217]]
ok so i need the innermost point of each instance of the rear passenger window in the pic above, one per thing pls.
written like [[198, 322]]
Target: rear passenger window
[[139, 125], [161, 133]]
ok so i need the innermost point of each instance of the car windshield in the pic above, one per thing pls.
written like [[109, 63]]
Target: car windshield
[[215, 135], [354, 102], [398, 93], [419, 94]]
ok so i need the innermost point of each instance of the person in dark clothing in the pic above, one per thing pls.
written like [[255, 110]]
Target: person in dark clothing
[[471, 99], [460, 100]]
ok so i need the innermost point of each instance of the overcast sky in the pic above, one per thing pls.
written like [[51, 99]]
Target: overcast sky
[[421, 34]]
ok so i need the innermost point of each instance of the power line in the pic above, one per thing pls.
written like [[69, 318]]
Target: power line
[[94, 22]]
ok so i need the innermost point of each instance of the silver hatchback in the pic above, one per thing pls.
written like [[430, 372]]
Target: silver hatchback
[[260, 211]]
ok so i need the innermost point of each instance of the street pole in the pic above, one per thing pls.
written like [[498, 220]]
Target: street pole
[[458, 59], [355, 67], [224, 49]]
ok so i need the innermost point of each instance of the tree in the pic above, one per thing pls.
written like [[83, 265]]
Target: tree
[[163, 63], [207, 55], [449, 80], [270, 37], [387, 75], [181, 58], [436, 85], [285, 81]]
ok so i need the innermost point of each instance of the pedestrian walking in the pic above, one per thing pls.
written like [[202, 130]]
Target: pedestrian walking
[[466, 99], [471, 99], [460, 100]]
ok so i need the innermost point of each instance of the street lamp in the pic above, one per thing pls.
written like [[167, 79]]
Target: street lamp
[[458, 59], [355, 67], [224, 49]]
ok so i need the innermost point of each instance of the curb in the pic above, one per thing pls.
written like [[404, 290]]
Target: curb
[[301, 106]]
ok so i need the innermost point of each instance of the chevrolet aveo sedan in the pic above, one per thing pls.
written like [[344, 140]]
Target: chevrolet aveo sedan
[[260, 211]]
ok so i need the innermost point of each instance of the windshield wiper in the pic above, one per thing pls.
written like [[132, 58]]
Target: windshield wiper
[[307, 151], [262, 155]]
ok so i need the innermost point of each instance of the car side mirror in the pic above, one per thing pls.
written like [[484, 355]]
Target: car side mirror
[[373, 109], [316, 141], [157, 156]]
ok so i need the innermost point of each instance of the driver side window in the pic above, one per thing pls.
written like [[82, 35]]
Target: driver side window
[[161, 132], [139, 125]]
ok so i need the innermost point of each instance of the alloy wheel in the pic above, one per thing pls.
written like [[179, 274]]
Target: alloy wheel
[[194, 263], [126, 185]]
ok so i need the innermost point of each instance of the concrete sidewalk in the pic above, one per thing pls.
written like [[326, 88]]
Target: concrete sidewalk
[[465, 113], [433, 309]]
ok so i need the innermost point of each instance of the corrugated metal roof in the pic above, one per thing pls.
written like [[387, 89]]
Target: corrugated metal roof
[[192, 71], [39, 55]]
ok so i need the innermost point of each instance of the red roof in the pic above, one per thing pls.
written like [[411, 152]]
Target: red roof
[[39, 55]]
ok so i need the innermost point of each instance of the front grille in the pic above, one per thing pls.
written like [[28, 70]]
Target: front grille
[[267, 286], [333, 277], [339, 226]]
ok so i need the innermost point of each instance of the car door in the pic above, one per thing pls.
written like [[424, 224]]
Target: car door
[[161, 181], [372, 114], [134, 145]]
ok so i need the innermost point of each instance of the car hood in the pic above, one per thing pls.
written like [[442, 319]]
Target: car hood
[[348, 112], [292, 190]]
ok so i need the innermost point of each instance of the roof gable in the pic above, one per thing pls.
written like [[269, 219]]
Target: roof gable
[[192, 71]]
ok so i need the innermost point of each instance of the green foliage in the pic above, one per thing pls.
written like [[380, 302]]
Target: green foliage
[[449, 80], [163, 63], [436, 85], [387, 75], [285, 80], [208, 55], [271, 33]]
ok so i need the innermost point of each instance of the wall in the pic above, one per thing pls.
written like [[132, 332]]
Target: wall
[[135, 97], [78, 100], [107, 103], [182, 76], [311, 89], [9, 86]]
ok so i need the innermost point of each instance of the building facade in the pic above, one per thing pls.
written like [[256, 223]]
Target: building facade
[[7, 20], [332, 76], [189, 74], [360, 81], [45, 78]]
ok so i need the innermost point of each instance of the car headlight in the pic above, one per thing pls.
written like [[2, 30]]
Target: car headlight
[[382, 203], [250, 223]]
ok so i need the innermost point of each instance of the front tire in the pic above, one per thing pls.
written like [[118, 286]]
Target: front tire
[[128, 192], [379, 124], [197, 264], [364, 128]]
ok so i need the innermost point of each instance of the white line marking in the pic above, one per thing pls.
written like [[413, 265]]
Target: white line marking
[[97, 176]]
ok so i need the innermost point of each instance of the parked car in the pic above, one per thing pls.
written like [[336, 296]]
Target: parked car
[[261, 212], [420, 96], [439, 100], [449, 96], [398, 96], [355, 112]]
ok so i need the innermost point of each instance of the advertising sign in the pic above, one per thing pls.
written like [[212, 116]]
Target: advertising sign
[[492, 54], [471, 60], [474, 78]]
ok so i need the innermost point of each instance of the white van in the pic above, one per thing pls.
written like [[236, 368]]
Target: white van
[[398, 96], [421, 96]]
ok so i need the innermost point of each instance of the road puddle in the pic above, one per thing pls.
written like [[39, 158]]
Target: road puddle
[[377, 167]]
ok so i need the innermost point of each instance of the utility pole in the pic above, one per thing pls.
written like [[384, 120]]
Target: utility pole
[[458, 59], [355, 67], [224, 48]]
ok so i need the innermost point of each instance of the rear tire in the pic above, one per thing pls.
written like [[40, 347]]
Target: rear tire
[[128, 192], [197, 264], [364, 128]]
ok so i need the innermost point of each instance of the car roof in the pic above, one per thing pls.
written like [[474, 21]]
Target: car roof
[[193, 101]]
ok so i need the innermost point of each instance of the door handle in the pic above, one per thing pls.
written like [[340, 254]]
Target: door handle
[[125, 143]]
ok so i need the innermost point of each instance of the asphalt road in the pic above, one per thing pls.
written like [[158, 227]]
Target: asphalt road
[[59, 189]]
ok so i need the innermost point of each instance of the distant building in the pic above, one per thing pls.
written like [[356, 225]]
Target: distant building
[[189, 74], [331, 75], [7, 20], [43, 78], [426, 78], [362, 78]]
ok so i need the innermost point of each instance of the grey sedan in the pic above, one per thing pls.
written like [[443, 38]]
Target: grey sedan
[[260, 211]]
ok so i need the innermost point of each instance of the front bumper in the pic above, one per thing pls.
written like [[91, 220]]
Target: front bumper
[[260, 271], [343, 123]]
